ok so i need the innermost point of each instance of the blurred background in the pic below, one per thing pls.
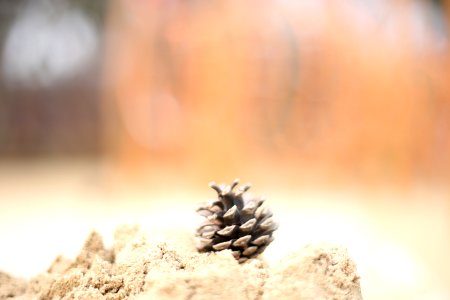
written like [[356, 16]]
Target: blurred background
[[338, 111]]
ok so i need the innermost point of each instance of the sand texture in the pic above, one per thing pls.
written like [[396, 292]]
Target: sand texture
[[147, 266]]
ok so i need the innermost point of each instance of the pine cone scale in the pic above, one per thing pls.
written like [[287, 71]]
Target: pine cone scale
[[242, 242], [248, 226], [222, 246], [227, 231], [230, 215], [261, 240], [250, 250]]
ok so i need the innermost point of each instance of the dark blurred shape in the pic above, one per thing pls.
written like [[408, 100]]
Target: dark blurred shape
[[50, 74]]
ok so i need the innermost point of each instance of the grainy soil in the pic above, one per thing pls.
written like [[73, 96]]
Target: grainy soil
[[141, 266]]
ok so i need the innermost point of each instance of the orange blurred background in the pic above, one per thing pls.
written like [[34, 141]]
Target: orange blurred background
[[338, 111], [343, 88]]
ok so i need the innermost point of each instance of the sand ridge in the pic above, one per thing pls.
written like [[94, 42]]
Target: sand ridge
[[139, 266]]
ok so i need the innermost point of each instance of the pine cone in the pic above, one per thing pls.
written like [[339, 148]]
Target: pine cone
[[235, 223]]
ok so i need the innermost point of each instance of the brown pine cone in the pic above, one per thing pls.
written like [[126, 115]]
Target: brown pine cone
[[232, 222]]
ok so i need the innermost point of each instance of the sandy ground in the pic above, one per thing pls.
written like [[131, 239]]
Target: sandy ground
[[399, 240], [148, 266]]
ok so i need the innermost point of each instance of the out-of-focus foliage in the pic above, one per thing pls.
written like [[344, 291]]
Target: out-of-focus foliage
[[356, 86], [359, 86]]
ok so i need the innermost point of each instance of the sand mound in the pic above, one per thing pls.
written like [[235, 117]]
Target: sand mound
[[138, 267]]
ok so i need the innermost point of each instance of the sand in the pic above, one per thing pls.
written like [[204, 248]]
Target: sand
[[140, 265]]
